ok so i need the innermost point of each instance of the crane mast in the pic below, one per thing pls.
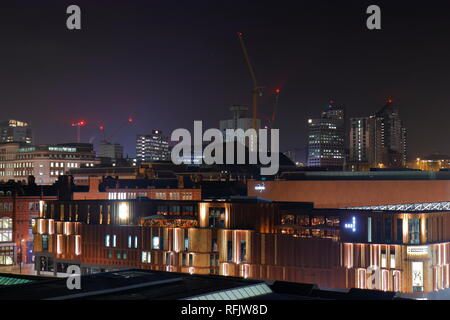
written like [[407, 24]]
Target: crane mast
[[275, 107], [257, 90]]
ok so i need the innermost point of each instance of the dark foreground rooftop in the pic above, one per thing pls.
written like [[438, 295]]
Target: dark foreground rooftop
[[136, 284]]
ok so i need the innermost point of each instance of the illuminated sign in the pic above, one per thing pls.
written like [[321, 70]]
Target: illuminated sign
[[351, 225], [260, 187], [417, 251]]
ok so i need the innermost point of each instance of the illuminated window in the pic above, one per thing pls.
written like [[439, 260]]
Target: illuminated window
[[155, 243], [392, 262], [107, 240], [383, 258], [417, 276]]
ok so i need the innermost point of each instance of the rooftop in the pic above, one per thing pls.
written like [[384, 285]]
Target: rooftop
[[135, 284], [366, 175]]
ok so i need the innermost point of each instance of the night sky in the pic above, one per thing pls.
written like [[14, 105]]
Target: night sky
[[168, 63]]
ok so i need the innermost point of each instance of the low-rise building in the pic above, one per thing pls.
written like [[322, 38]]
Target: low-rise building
[[19, 205], [121, 189], [403, 251], [45, 162]]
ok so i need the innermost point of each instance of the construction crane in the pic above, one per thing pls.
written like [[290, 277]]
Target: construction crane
[[107, 139], [257, 89], [275, 107], [78, 125]]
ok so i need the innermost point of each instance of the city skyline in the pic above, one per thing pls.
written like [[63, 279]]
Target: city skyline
[[227, 151], [167, 68]]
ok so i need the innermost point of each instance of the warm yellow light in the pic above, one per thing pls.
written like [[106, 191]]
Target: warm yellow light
[[124, 211], [78, 245], [41, 208], [59, 240], [203, 214]]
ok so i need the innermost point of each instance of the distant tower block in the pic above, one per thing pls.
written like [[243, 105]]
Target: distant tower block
[[239, 120]]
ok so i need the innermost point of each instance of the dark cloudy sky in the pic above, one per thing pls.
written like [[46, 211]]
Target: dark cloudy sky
[[167, 63]]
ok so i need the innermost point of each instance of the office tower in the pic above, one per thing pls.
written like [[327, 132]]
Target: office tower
[[15, 131], [152, 147], [326, 138], [109, 150]]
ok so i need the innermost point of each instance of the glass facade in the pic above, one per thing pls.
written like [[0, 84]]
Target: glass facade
[[414, 230]]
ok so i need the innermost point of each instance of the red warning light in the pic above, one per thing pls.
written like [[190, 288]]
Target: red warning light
[[101, 128], [130, 120], [389, 100], [82, 123], [240, 34], [277, 90]]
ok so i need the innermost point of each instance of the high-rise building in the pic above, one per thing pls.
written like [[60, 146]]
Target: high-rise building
[[240, 120], [393, 135], [365, 143], [15, 131], [109, 150], [152, 147], [326, 140], [378, 140]]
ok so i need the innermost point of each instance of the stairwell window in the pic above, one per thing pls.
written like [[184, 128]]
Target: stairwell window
[[414, 230]]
